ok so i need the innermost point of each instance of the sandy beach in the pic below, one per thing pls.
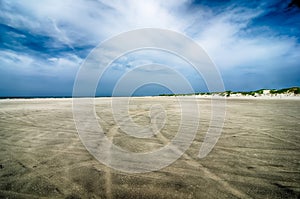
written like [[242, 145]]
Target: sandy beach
[[257, 155]]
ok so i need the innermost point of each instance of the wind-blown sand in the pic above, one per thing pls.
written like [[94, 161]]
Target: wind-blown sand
[[257, 155]]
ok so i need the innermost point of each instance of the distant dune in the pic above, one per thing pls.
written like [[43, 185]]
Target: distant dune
[[286, 93]]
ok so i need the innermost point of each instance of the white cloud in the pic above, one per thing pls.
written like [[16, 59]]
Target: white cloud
[[32, 65], [92, 21], [227, 44]]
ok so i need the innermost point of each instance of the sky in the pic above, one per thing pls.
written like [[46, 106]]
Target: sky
[[254, 44]]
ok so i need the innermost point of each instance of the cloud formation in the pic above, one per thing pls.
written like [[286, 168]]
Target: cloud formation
[[43, 43]]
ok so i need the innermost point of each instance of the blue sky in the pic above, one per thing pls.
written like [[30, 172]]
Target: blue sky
[[254, 44]]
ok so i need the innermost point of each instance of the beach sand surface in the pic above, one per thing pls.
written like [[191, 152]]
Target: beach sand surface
[[257, 155]]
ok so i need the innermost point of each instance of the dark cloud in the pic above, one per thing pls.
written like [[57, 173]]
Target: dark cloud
[[293, 3]]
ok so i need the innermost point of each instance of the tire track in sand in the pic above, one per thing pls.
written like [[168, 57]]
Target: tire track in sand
[[111, 133], [192, 162], [189, 160], [107, 169]]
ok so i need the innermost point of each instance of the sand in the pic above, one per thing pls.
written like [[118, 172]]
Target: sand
[[257, 155]]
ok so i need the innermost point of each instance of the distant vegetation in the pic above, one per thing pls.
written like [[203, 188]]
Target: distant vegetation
[[292, 90], [295, 90]]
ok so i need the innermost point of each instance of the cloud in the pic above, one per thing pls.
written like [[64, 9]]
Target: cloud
[[25, 75], [89, 21], [232, 39], [247, 40]]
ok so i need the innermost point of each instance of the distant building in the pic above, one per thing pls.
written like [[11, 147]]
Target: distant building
[[266, 92]]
